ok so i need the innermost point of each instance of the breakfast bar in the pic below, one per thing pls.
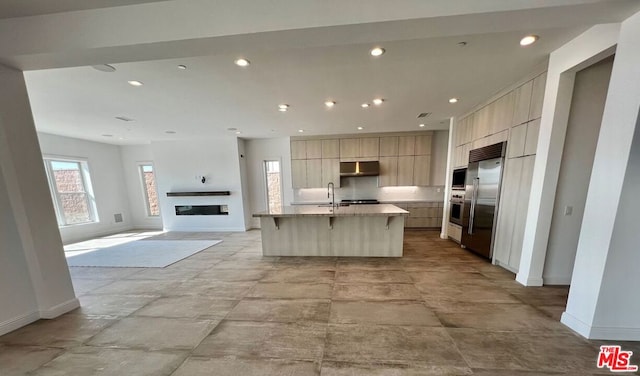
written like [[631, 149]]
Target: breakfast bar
[[325, 230]]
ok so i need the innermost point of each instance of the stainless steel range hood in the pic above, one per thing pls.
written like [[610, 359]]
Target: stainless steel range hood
[[364, 168]]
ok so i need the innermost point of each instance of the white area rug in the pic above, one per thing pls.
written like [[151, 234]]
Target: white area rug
[[141, 253]]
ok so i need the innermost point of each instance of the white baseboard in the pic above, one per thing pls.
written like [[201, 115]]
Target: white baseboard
[[531, 281], [557, 280], [18, 322], [600, 332], [62, 308]]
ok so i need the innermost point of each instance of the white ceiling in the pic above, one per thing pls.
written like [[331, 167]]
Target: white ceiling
[[424, 66], [25, 8]]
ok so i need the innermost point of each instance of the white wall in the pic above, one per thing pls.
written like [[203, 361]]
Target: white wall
[[132, 157], [584, 50], [107, 178], [17, 298], [603, 300], [587, 106], [177, 163], [257, 151], [28, 217]]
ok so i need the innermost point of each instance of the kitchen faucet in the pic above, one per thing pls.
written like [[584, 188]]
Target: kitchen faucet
[[331, 192]]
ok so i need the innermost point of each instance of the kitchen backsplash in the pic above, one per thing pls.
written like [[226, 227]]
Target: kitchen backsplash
[[366, 187]]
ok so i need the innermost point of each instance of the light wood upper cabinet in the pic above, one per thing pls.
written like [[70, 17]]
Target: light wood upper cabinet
[[388, 146], [349, 148], [406, 145], [405, 170], [537, 96], [314, 173], [369, 147], [531, 143], [517, 138], [331, 148], [314, 149], [503, 113], [423, 144], [422, 170], [388, 172], [298, 150], [331, 172], [522, 103], [299, 173]]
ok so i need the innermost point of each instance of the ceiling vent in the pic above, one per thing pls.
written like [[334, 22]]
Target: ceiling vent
[[424, 115], [124, 118]]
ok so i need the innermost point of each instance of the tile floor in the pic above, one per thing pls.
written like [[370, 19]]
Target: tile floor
[[229, 311]]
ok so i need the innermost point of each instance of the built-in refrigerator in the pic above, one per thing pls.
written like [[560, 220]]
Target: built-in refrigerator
[[482, 194]]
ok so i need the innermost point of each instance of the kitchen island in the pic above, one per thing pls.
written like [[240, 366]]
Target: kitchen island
[[351, 231]]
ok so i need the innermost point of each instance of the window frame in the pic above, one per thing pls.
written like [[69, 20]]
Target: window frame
[[143, 186], [265, 181], [85, 175]]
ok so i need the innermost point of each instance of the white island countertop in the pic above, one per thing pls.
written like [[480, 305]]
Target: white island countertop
[[377, 210]]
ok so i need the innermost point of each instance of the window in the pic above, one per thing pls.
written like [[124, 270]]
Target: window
[[70, 186], [274, 185], [150, 191]]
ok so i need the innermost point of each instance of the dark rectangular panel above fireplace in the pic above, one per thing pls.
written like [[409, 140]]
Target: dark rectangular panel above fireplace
[[202, 210]]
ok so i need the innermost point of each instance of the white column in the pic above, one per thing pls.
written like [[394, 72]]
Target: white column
[[603, 300], [31, 207], [586, 49]]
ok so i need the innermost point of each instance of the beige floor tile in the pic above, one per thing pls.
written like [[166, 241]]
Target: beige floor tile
[[163, 274], [246, 367], [102, 273], [137, 287], [383, 313], [411, 369], [64, 331], [18, 360], [245, 339], [191, 306], [373, 276], [534, 351], [277, 290], [154, 333], [495, 317], [296, 275], [111, 362], [376, 292], [115, 305], [389, 344], [360, 263], [212, 289], [83, 286], [232, 275], [279, 310]]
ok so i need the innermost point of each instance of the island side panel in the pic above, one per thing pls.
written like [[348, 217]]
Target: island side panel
[[351, 236], [297, 236]]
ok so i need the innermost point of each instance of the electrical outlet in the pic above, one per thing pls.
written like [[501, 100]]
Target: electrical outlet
[[568, 210]]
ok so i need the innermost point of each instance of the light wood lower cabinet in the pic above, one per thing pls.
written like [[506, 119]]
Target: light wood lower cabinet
[[423, 214]]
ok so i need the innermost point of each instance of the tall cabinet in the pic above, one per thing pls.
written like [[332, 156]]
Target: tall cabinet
[[515, 118]]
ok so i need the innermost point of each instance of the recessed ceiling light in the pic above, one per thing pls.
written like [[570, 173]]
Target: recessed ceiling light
[[284, 105], [421, 125], [104, 68], [182, 67], [453, 100], [377, 51], [107, 135], [360, 128], [135, 83], [378, 101], [528, 40], [242, 62], [170, 132], [330, 103], [238, 132], [300, 130], [364, 105], [120, 138]]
